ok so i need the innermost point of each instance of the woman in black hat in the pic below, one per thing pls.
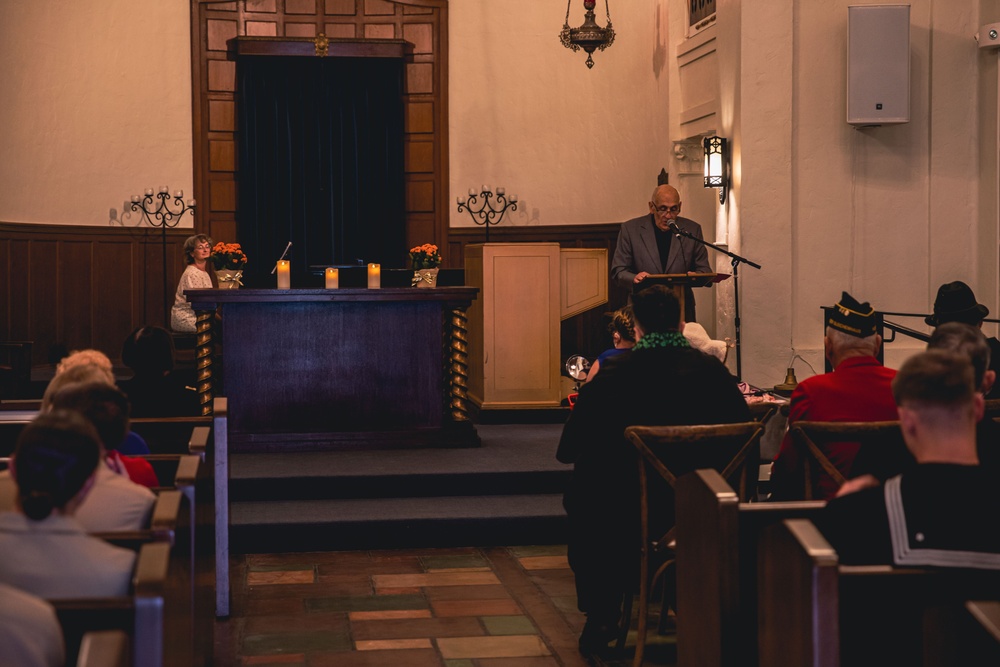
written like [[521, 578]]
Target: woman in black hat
[[956, 302]]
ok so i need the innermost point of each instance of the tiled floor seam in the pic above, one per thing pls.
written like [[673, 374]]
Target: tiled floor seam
[[552, 627]]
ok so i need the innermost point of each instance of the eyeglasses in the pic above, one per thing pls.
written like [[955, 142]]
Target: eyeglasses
[[203, 246], [676, 208]]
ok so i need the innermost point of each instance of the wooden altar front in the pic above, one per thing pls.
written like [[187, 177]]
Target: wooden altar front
[[307, 369]]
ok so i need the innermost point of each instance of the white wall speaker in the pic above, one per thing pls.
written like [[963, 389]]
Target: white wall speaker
[[878, 64]]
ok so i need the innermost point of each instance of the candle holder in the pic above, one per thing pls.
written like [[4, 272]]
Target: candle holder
[[492, 208], [161, 211]]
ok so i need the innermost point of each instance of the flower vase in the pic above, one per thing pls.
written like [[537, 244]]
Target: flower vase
[[229, 278], [425, 277]]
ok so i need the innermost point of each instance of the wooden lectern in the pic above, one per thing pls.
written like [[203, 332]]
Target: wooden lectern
[[677, 282]]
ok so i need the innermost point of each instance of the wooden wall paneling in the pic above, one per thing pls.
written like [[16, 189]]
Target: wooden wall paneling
[[77, 292], [83, 286], [43, 286], [113, 308], [19, 287], [5, 291]]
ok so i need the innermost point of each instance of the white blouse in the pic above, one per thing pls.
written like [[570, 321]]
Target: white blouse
[[182, 317]]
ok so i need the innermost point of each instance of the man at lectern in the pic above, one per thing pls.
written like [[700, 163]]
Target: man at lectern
[[649, 245]]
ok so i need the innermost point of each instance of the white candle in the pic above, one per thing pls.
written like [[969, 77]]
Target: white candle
[[191, 203], [178, 194], [284, 274], [486, 188], [149, 192], [333, 278], [513, 199], [374, 276], [472, 192], [500, 191], [135, 199], [164, 188]]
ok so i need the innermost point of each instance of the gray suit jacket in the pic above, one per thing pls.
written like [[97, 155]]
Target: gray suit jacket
[[636, 251]]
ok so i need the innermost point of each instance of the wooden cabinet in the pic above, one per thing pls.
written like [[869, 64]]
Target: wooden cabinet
[[514, 351]]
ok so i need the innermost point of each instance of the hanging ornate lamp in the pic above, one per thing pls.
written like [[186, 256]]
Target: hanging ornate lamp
[[588, 36]]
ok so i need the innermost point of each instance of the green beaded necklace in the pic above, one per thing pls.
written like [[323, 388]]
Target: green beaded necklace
[[661, 339]]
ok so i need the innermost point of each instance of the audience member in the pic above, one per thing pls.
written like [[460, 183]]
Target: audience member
[[155, 390], [46, 552], [30, 633], [875, 464], [197, 275], [622, 331], [933, 513], [87, 357], [662, 381], [83, 372], [115, 502], [955, 302], [107, 409], [858, 389]]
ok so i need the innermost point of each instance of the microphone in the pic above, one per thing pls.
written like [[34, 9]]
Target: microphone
[[282, 257], [674, 228]]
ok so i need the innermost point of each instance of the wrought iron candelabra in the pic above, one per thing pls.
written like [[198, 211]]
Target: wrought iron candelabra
[[492, 208], [162, 211]]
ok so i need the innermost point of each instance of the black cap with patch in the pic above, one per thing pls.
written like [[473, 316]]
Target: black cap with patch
[[852, 317]]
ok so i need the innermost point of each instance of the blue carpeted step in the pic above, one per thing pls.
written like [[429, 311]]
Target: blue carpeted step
[[378, 523]]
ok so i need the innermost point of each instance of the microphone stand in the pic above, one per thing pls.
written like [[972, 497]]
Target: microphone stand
[[736, 260]]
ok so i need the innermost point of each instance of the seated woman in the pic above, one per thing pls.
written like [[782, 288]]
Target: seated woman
[[156, 390], [622, 338], [46, 551], [197, 275], [29, 630]]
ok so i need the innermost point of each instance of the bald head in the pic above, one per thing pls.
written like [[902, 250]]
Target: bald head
[[667, 190], [665, 206]]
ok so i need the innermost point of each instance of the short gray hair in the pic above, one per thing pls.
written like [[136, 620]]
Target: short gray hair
[[842, 342]]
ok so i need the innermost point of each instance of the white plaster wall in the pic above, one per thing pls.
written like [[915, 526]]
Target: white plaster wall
[[97, 106], [885, 213], [577, 146]]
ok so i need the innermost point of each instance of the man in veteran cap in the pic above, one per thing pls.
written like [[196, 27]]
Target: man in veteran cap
[[858, 389], [956, 302]]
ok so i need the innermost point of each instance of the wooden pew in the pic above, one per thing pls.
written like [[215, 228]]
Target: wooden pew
[[109, 648], [717, 539], [168, 435], [815, 612], [157, 616]]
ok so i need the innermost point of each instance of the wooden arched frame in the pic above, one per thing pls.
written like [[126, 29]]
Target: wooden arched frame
[[423, 23]]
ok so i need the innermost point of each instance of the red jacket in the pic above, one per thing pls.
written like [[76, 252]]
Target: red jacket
[[858, 389], [139, 470]]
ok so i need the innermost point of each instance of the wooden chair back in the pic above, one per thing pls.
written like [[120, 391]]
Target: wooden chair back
[[669, 452], [717, 537], [810, 438]]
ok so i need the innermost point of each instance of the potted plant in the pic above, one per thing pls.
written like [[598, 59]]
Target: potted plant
[[229, 262], [425, 260]]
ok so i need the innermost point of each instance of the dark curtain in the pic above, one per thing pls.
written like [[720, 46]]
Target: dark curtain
[[320, 163]]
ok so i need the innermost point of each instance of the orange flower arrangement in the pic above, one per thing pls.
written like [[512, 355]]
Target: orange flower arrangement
[[228, 256], [425, 256]]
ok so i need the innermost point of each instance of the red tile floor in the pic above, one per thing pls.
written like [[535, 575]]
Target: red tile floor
[[467, 607]]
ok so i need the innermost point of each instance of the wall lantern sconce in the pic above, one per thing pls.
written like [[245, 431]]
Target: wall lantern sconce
[[588, 36], [717, 165]]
